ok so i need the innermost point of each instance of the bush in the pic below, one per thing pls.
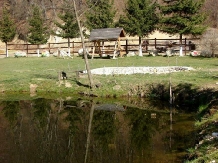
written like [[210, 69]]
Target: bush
[[206, 53]]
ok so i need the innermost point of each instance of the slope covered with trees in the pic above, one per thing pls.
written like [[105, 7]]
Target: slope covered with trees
[[21, 11]]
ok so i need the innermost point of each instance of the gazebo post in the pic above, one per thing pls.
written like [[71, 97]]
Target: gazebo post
[[120, 48], [93, 50], [115, 47], [102, 50], [99, 48]]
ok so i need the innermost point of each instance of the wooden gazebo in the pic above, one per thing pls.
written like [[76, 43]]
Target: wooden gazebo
[[98, 36]]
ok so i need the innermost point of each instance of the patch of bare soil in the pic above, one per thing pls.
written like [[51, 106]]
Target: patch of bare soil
[[33, 89], [68, 85]]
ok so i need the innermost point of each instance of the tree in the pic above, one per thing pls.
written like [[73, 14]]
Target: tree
[[140, 19], [210, 6], [83, 45], [209, 42], [38, 31], [101, 14], [182, 17], [69, 27], [7, 29]]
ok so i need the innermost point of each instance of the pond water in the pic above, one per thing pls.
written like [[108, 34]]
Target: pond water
[[90, 131]]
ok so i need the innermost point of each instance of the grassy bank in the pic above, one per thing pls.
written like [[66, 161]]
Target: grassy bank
[[205, 149], [19, 74]]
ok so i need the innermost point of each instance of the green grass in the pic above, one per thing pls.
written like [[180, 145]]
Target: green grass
[[18, 73]]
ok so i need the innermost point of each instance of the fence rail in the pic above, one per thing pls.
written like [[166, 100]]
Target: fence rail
[[127, 45]]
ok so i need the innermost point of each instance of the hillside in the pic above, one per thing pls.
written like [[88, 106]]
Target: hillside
[[21, 10]]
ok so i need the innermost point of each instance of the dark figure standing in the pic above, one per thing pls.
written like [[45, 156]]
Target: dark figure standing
[[64, 75]]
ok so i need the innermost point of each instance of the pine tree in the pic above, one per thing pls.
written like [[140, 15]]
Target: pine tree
[[101, 15], [182, 17], [69, 27], [38, 31], [140, 19], [7, 29]]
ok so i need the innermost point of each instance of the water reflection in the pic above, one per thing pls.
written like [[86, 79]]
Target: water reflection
[[48, 130]]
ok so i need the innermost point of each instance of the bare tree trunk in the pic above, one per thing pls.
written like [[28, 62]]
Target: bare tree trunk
[[84, 48], [44, 8], [54, 8]]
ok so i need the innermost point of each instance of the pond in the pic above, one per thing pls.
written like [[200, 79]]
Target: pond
[[66, 130]]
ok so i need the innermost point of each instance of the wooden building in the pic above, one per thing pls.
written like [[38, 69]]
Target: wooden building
[[99, 36]]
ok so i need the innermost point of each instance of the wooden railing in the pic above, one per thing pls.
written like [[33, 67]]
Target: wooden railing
[[126, 45]]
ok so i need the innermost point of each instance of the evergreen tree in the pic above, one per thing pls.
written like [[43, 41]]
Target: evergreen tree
[[182, 17], [140, 19], [69, 27], [7, 29], [101, 15], [38, 31]]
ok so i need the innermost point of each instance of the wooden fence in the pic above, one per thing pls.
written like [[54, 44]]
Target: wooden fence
[[127, 45]]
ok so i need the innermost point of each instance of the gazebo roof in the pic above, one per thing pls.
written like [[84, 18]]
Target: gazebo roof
[[106, 34]]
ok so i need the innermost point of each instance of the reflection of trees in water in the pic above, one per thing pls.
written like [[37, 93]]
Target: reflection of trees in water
[[11, 111], [45, 119], [63, 131], [102, 143], [42, 111], [104, 127], [142, 128], [51, 145], [38, 136], [74, 119]]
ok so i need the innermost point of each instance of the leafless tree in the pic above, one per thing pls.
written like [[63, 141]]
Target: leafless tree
[[210, 7], [209, 42], [83, 45]]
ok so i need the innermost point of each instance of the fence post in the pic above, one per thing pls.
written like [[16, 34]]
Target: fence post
[[185, 46], [38, 50], [27, 50], [49, 49], [155, 43], [73, 47], [126, 47]]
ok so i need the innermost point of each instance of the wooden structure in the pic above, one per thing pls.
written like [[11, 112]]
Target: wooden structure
[[129, 45], [99, 36]]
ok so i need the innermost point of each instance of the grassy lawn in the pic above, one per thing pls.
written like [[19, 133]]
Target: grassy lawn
[[17, 74]]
